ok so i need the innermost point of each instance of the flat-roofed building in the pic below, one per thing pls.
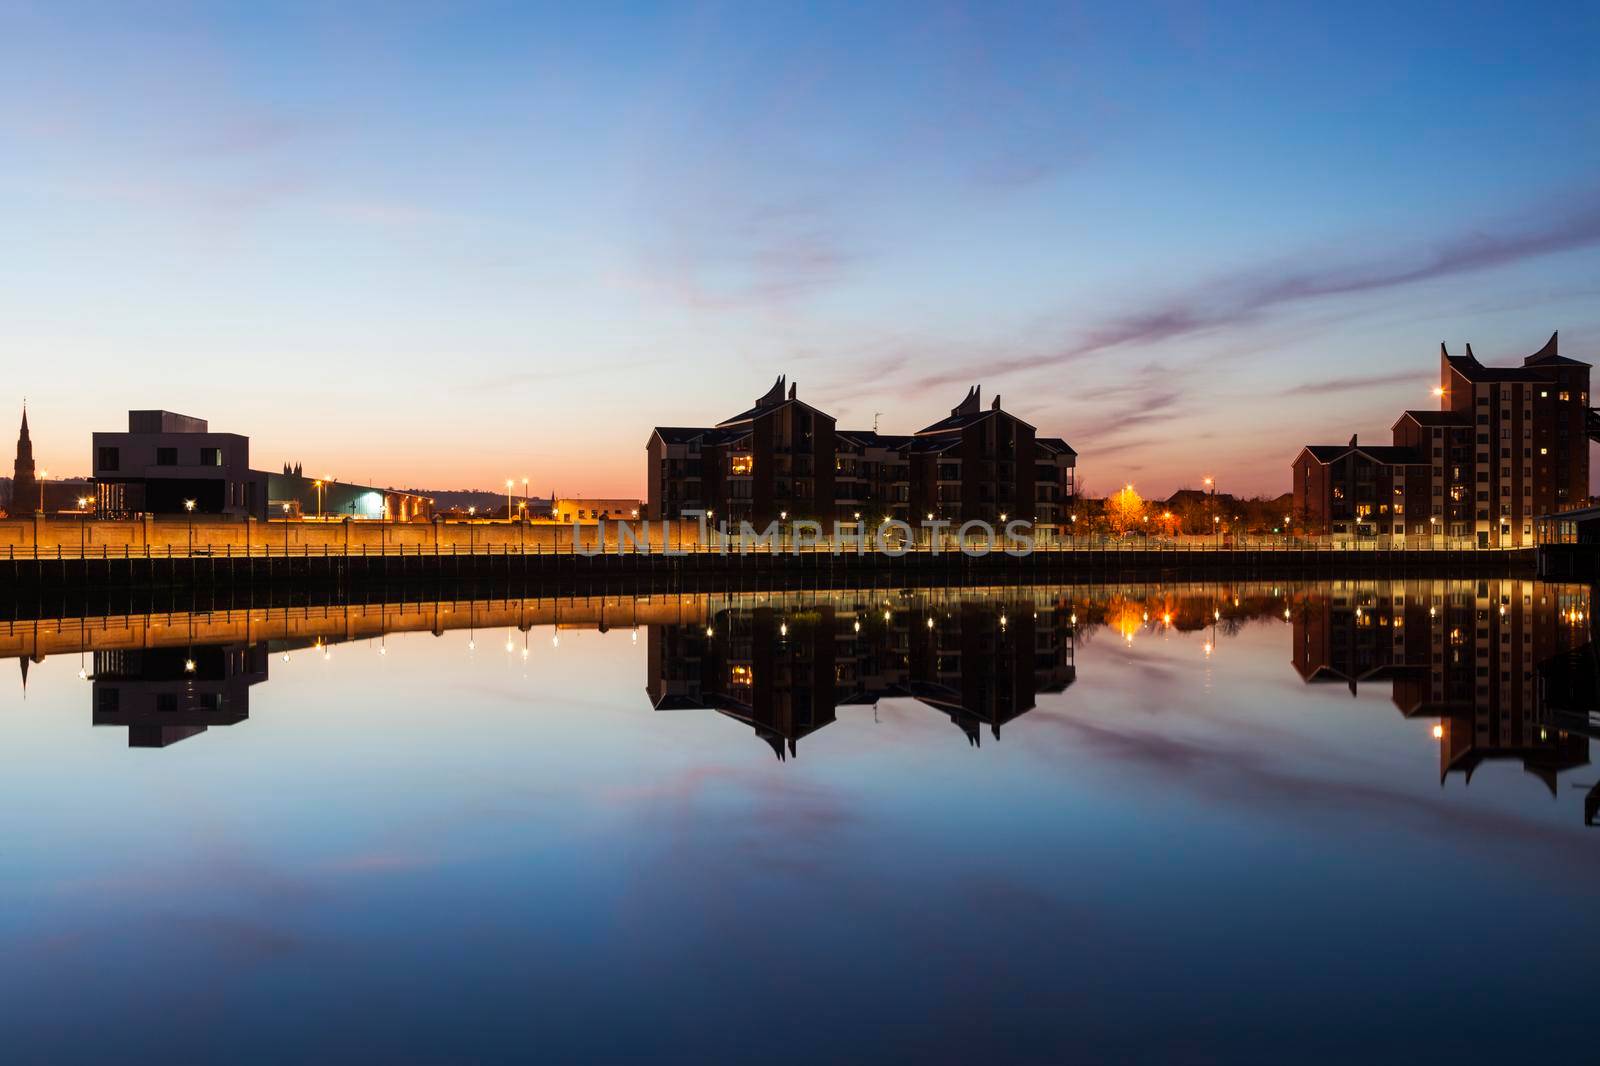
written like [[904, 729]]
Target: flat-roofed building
[[165, 460]]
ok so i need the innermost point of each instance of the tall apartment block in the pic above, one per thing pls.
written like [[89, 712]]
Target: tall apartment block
[[783, 458], [1507, 444]]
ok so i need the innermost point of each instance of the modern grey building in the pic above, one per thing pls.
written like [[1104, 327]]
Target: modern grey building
[[165, 460]]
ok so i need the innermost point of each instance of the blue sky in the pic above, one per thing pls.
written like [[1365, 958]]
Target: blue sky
[[442, 244]]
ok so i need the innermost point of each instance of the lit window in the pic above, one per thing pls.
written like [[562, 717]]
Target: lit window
[[741, 464]]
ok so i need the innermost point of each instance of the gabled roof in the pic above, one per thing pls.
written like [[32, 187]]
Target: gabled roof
[[1435, 418], [968, 412], [1388, 454], [763, 408], [697, 434], [1055, 445]]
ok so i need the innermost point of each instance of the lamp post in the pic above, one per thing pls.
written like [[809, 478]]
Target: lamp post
[[83, 525], [43, 476], [318, 484], [508, 499], [524, 499], [286, 531], [188, 506]]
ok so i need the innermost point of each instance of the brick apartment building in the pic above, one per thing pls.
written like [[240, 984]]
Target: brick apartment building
[[1507, 444], [785, 458]]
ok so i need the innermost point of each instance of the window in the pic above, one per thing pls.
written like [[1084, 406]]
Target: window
[[739, 465], [210, 456], [166, 457], [1544, 451], [1564, 396], [110, 459]]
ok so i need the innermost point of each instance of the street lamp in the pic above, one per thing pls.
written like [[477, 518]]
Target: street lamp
[[43, 477], [188, 506], [83, 518], [318, 484], [286, 531], [508, 499], [525, 497]]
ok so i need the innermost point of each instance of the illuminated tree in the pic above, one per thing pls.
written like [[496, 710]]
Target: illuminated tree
[[1125, 511]]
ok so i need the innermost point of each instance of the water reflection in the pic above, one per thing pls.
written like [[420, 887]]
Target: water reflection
[[785, 669], [1183, 810], [1468, 656], [1505, 668]]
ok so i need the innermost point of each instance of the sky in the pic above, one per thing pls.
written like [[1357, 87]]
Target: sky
[[439, 245]]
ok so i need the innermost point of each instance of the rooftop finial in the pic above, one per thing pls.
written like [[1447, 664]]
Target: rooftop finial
[[1551, 349], [970, 404], [774, 395]]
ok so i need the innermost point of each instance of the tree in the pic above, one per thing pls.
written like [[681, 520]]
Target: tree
[[1125, 511]]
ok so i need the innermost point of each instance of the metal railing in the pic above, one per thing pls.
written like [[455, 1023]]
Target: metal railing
[[731, 545]]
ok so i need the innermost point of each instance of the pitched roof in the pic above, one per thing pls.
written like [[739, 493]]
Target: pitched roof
[[1436, 418], [697, 434], [1391, 455], [967, 413], [1055, 444], [763, 407]]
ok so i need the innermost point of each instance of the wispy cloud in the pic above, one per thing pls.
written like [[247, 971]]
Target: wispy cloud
[[1353, 383], [1561, 224]]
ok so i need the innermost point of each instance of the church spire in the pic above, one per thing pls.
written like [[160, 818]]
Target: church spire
[[24, 486]]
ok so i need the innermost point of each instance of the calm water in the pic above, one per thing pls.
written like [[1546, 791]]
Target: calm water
[[1241, 822]]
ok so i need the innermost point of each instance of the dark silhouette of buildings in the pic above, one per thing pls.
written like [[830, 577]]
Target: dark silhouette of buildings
[[1506, 445], [1467, 654], [166, 460], [783, 458], [164, 695], [168, 463], [785, 672]]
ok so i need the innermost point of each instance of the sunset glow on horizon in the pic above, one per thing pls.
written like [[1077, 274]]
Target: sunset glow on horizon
[[439, 248]]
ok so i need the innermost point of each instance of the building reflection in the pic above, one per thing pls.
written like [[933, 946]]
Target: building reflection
[[1472, 656], [164, 695], [1501, 670], [784, 670]]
